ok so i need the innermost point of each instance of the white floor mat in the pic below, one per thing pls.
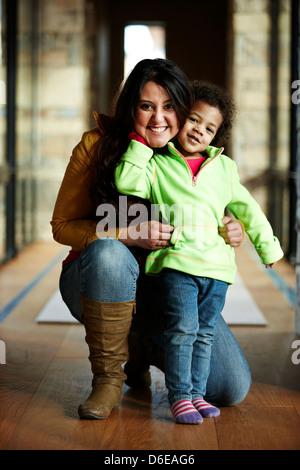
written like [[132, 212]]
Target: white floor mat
[[240, 308], [55, 311]]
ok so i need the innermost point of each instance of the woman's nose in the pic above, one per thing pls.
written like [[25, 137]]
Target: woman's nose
[[158, 115]]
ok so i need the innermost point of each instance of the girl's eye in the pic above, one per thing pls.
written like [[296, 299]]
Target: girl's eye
[[210, 130], [169, 106], [192, 119]]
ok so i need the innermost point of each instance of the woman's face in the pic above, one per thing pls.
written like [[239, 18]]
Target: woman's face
[[155, 118]]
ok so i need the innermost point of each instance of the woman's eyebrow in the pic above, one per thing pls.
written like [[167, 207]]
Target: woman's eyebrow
[[149, 101]]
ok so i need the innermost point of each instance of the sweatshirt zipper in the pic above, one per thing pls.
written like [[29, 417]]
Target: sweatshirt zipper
[[194, 177]]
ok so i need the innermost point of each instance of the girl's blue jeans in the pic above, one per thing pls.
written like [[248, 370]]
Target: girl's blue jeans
[[191, 306], [107, 271]]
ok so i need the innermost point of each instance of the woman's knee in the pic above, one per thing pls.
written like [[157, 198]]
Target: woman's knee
[[230, 377], [107, 252], [230, 390], [236, 393], [109, 271]]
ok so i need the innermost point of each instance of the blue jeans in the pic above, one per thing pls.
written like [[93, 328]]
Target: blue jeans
[[192, 306], [105, 272], [108, 272]]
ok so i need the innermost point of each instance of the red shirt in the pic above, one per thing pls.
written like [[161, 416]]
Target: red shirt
[[195, 163]]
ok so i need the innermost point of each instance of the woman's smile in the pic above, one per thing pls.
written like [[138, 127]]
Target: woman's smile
[[158, 130]]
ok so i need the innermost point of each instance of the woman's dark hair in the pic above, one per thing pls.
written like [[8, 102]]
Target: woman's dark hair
[[115, 141], [218, 97]]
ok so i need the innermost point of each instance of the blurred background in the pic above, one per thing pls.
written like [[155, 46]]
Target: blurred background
[[62, 59]]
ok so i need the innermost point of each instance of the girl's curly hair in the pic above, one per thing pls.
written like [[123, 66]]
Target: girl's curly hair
[[215, 96]]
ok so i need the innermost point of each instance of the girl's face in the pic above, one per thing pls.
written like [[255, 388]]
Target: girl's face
[[155, 118], [200, 128]]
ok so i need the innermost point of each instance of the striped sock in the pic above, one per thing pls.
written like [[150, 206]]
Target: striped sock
[[185, 413], [205, 409]]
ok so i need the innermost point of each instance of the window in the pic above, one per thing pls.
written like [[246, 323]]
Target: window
[[143, 41]]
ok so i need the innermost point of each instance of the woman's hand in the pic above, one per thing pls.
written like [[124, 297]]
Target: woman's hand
[[232, 232], [153, 235], [150, 235]]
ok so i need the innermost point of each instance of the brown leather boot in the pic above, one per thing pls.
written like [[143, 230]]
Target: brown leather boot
[[107, 326]]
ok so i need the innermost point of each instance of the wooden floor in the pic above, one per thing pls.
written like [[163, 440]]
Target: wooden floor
[[47, 375]]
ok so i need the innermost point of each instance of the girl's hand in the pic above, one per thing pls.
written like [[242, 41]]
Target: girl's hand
[[150, 235], [232, 232], [135, 136], [271, 265]]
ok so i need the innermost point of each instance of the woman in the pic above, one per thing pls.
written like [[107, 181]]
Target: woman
[[102, 279]]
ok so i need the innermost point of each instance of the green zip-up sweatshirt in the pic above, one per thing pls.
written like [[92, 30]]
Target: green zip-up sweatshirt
[[195, 206]]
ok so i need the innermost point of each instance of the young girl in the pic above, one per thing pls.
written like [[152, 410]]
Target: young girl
[[193, 183]]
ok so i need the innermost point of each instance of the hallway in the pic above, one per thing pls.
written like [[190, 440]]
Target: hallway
[[47, 374], [60, 61]]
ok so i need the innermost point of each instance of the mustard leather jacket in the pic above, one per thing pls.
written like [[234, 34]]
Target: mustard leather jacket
[[74, 218]]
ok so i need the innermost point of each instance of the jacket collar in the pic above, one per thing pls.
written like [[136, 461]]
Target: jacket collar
[[102, 121], [211, 151]]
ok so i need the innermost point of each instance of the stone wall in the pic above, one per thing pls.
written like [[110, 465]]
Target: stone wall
[[53, 105], [252, 87], [63, 80]]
